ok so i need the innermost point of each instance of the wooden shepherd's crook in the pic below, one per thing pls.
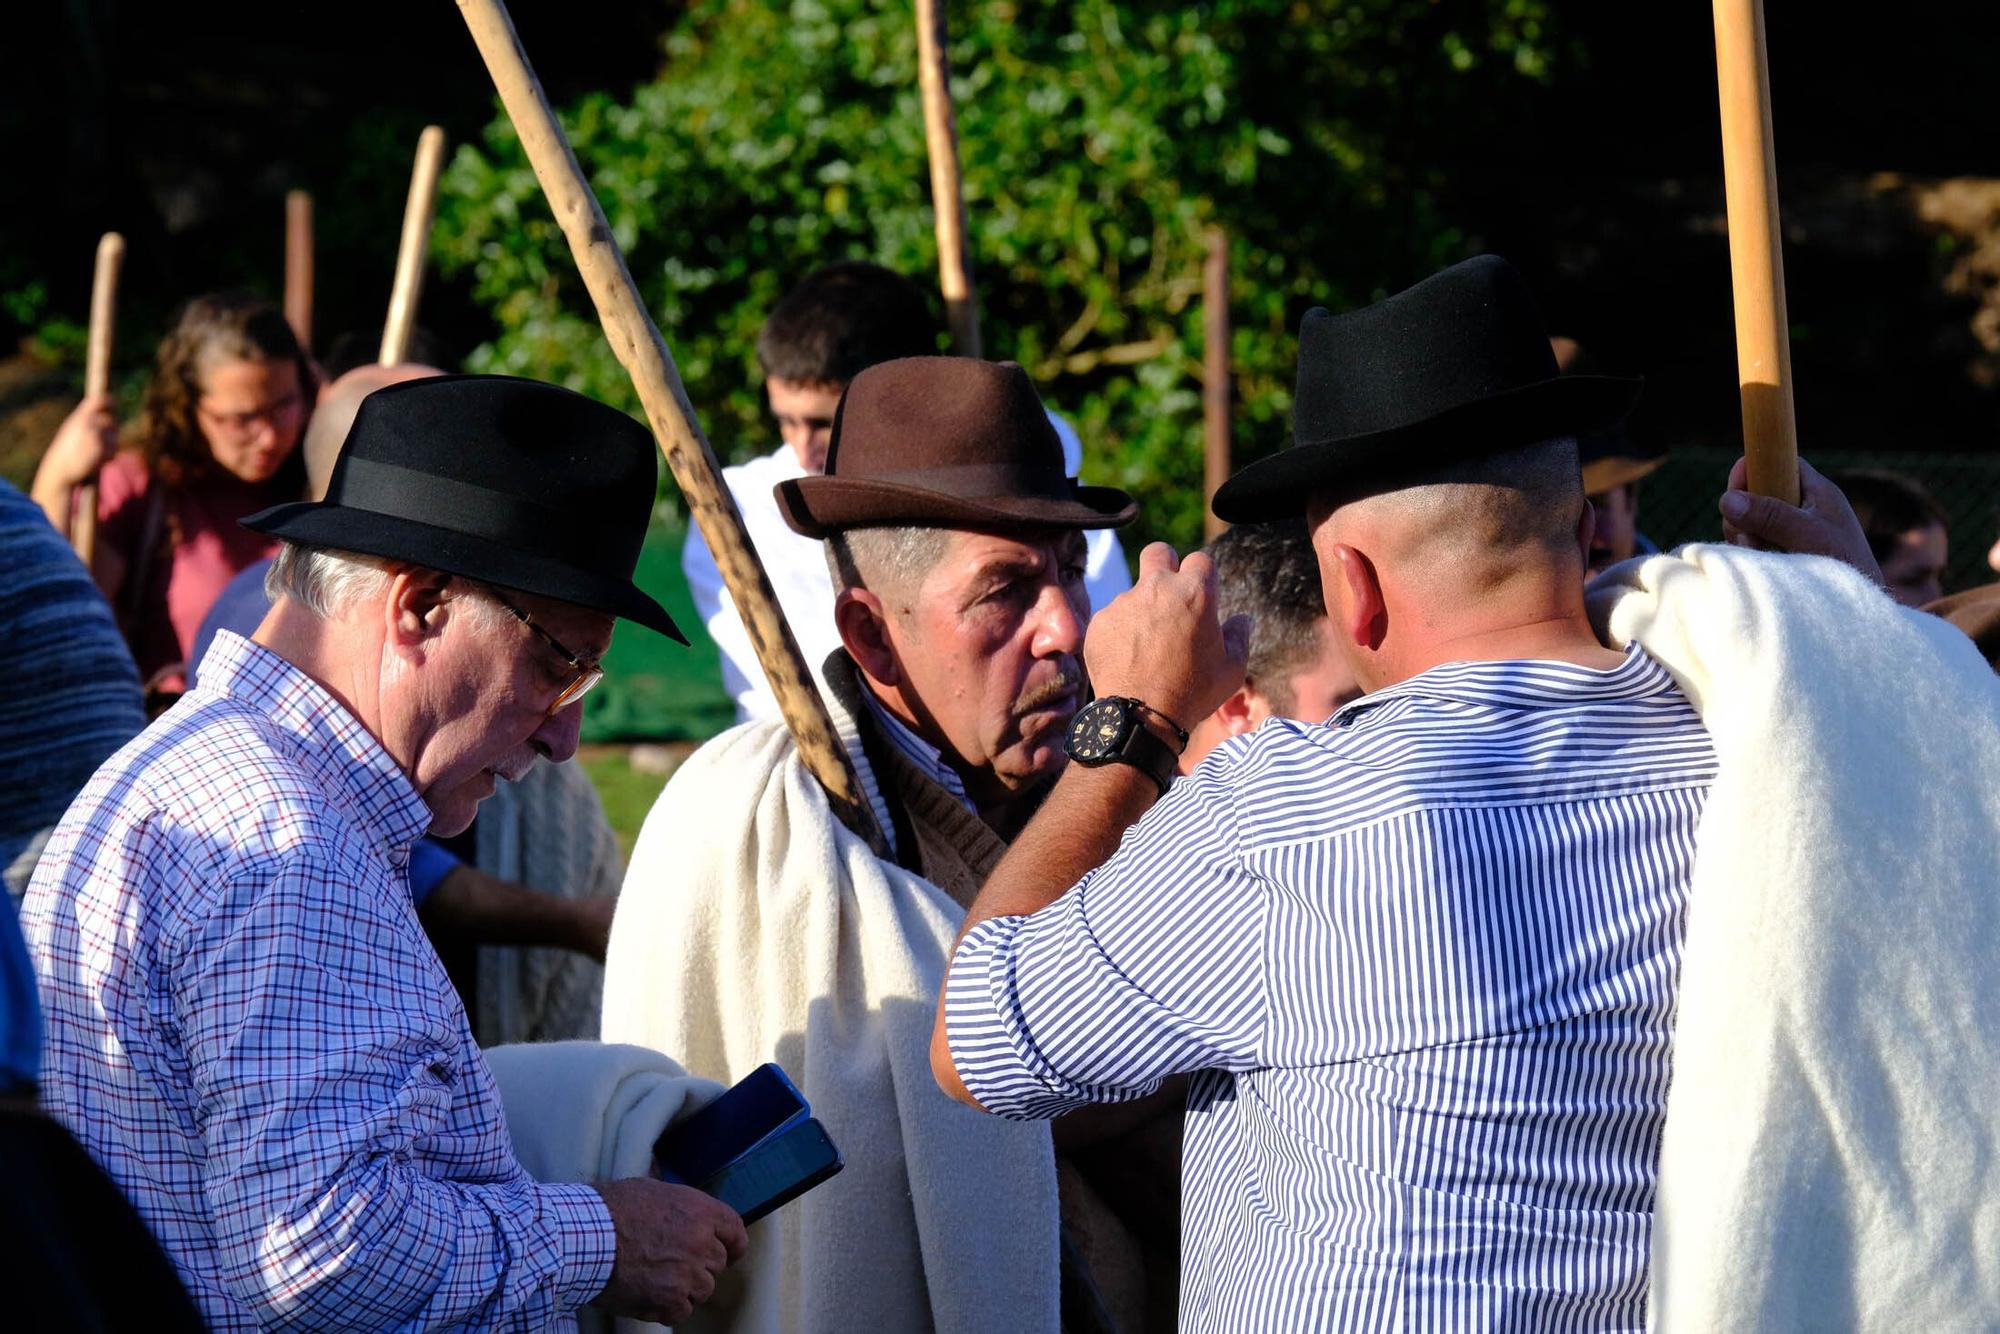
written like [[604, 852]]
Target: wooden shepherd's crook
[[97, 379], [644, 354], [961, 306], [1756, 258], [415, 246], [299, 267], [1214, 376]]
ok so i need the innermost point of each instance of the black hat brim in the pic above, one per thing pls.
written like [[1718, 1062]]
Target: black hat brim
[[1282, 486], [320, 524], [819, 506]]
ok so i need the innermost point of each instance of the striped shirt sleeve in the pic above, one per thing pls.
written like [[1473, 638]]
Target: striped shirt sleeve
[[1152, 966]]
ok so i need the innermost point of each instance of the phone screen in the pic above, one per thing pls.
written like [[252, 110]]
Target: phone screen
[[760, 1105], [786, 1167]]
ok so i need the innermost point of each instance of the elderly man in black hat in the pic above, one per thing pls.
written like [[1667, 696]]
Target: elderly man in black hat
[[1418, 959], [246, 1025], [956, 542]]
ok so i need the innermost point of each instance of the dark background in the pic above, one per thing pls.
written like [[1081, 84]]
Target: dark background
[[183, 126]]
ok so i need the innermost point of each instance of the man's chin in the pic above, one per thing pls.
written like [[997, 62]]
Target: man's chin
[[452, 811]]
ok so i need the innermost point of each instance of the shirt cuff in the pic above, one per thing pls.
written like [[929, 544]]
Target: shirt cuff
[[589, 1242], [984, 1027]]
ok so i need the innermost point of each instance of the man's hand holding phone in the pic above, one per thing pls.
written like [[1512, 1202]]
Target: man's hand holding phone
[[673, 1243]]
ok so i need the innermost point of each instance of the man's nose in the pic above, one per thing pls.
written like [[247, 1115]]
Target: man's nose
[[559, 733], [1058, 623]]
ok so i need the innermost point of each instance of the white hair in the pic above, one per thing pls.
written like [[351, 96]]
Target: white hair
[[324, 581], [884, 559]]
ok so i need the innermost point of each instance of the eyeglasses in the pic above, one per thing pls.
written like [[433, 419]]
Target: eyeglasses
[[242, 423], [588, 674]]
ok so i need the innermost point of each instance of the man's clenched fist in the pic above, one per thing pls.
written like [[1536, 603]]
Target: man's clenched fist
[[1159, 642]]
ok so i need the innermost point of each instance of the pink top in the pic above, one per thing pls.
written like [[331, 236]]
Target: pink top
[[209, 546]]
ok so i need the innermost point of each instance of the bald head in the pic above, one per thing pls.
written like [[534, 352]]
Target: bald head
[[333, 415], [1469, 552]]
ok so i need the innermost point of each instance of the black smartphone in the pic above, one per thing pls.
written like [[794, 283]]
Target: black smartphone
[[759, 1106], [776, 1172]]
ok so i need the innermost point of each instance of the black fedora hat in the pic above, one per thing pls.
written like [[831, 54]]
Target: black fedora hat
[[945, 442], [1455, 367], [507, 481]]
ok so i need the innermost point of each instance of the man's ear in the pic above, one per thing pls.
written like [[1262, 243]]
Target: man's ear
[[1240, 712], [863, 623], [415, 608], [1354, 599]]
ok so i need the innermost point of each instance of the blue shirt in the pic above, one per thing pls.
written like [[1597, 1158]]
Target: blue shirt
[[248, 1030], [69, 694], [1422, 959]]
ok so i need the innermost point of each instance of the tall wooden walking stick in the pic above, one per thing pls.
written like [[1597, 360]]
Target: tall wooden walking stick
[[1756, 259], [415, 246], [643, 353], [1215, 375], [961, 306], [97, 379], [299, 267]]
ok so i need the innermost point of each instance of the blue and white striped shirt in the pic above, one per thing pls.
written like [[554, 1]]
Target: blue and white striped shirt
[[1422, 958]]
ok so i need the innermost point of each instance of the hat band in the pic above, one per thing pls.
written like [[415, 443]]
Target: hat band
[[977, 480], [475, 511]]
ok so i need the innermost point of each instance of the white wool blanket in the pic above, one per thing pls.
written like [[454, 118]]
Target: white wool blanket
[[753, 927], [588, 1111], [1831, 1156]]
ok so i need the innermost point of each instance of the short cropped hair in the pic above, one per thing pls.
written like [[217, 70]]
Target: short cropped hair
[[1268, 571], [323, 580], [1889, 504], [885, 560], [843, 319]]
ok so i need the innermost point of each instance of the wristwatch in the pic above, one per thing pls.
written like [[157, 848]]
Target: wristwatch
[[1112, 730]]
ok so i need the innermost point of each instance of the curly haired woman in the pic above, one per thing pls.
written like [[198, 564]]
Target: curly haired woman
[[217, 441]]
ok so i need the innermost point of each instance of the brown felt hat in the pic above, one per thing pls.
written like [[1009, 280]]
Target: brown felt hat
[[945, 442]]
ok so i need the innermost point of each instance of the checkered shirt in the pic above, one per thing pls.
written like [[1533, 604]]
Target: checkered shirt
[[248, 1029]]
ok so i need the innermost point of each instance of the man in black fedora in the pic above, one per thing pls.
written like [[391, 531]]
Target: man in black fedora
[[1418, 959], [246, 1025], [956, 542]]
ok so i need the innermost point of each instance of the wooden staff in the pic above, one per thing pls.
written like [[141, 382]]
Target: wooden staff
[[97, 380], [1215, 374], [643, 353], [415, 246], [961, 305], [299, 267], [1756, 258]]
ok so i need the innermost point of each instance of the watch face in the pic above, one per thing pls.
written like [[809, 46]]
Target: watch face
[[1096, 733]]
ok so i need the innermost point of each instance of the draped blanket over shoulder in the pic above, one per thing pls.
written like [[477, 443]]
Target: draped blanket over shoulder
[[1831, 1157], [747, 909]]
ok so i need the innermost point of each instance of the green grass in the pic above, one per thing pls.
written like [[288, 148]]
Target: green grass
[[626, 792]]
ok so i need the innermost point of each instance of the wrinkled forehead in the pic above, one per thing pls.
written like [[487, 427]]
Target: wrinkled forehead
[[972, 555]]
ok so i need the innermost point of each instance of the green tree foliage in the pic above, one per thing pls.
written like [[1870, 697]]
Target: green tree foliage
[[1098, 140]]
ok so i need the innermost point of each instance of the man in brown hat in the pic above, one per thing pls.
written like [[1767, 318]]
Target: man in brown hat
[[956, 542]]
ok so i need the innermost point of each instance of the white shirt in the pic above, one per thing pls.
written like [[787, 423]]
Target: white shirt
[[797, 569]]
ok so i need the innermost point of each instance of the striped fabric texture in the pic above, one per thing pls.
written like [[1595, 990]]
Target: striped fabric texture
[[72, 693], [1421, 963], [248, 1029]]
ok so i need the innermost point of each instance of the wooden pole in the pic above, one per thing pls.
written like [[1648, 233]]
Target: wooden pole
[[97, 379], [415, 246], [1756, 257], [299, 267], [1215, 374], [643, 352], [961, 304]]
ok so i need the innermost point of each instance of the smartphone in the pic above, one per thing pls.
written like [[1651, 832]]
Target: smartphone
[[762, 1104], [777, 1171]]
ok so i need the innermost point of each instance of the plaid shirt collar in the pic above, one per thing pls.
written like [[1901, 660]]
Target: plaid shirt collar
[[350, 764]]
